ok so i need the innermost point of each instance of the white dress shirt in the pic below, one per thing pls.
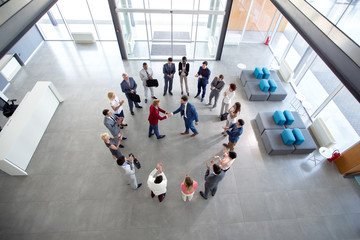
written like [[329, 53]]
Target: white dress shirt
[[143, 74], [157, 188]]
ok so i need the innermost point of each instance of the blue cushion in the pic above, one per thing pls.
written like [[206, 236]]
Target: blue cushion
[[266, 73], [289, 117], [264, 85], [299, 137], [279, 117], [288, 137], [258, 73], [273, 85]]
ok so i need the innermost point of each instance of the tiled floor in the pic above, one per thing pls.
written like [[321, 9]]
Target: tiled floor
[[75, 190]]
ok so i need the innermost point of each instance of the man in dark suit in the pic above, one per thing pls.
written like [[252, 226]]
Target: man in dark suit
[[112, 122], [128, 85], [212, 179], [216, 86], [187, 110], [168, 70], [203, 79], [234, 133]]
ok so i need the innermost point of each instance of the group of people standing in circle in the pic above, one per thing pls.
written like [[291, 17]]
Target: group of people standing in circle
[[157, 181]]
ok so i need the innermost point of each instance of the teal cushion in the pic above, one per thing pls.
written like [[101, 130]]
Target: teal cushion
[[266, 73], [289, 117], [279, 117], [258, 73], [288, 137], [299, 137], [264, 85], [273, 85]]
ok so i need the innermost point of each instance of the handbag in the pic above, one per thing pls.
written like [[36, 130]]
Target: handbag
[[134, 97], [136, 162], [224, 116], [152, 83]]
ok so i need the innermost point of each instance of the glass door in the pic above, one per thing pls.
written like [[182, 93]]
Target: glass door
[[161, 29]]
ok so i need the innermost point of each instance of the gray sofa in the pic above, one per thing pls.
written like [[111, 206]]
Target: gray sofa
[[271, 135], [253, 91]]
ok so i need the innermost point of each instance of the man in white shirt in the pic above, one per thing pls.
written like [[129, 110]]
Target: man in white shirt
[[129, 170], [146, 73], [228, 159], [157, 184]]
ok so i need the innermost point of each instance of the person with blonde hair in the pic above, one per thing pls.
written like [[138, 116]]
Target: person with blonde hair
[[188, 187], [113, 144], [154, 118], [116, 106]]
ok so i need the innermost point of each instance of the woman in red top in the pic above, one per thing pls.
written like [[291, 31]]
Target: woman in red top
[[154, 118]]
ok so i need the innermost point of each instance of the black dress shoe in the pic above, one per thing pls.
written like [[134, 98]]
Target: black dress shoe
[[121, 146], [132, 113], [138, 106], [124, 125], [188, 94], [202, 99], [124, 138], [182, 92], [154, 97], [196, 95], [202, 194], [161, 136], [139, 185], [164, 94], [171, 93], [145, 100]]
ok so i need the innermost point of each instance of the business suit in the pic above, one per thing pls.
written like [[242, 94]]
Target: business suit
[[183, 75], [168, 80], [202, 82], [234, 135], [126, 88], [218, 86], [111, 124], [190, 115], [211, 182], [129, 170]]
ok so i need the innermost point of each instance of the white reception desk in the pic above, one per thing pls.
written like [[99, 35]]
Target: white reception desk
[[25, 128]]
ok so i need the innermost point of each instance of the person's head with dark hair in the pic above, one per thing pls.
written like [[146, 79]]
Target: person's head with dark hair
[[170, 60], [216, 169], [121, 160], [232, 87], [184, 59], [240, 122], [184, 99], [105, 112], [232, 155], [221, 77], [204, 64], [158, 179], [145, 66]]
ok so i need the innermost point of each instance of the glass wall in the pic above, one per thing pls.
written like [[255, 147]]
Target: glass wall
[[171, 28], [344, 14], [67, 16], [250, 20]]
